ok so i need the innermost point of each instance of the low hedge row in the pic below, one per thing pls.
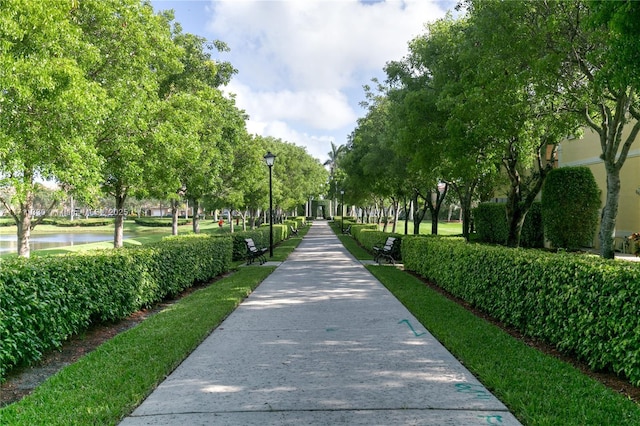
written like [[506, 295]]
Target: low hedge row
[[357, 228], [64, 222], [160, 221], [490, 221], [260, 237], [582, 304], [369, 239], [45, 300]]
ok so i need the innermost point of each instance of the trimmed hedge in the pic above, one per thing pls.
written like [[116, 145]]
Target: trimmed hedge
[[570, 206], [66, 223], [490, 221], [45, 300], [370, 239], [160, 221], [260, 237], [357, 228], [582, 304]]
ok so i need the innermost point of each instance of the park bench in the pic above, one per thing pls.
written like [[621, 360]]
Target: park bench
[[347, 230], [254, 252], [294, 231], [387, 251]]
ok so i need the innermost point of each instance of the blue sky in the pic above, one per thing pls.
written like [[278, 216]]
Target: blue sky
[[302, 63]]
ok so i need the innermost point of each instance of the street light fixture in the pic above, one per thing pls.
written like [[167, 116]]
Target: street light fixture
[[342, 212], [269, 159]]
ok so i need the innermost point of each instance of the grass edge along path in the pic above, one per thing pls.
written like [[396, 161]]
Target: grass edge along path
[[107, 384], [538, 389]]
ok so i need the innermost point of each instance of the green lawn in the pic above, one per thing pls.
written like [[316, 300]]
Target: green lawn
[[139, 235], [444, 228]]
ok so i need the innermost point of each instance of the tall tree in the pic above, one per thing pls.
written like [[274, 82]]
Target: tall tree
[[337, 151], [581, 59], [134, 52], [200, 124], [507, 101], [48, 108]]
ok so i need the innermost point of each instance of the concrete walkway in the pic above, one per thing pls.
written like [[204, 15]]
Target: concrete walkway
[[321, 342]]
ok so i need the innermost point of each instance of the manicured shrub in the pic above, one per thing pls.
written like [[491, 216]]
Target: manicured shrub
[[532, 234], [44, 300], [570, 203], [357, 228], [490, 220], [260, 237], [369, 239], [160, 221], [79, 222], [582, 304]]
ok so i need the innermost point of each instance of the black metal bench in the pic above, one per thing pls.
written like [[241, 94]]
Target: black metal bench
[[387, 251], [347, 230], [254, 252], [294, 231]]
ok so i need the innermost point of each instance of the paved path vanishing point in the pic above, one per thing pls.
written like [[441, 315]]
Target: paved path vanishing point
[[321, 342]]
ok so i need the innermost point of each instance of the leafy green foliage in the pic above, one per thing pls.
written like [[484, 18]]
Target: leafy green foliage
[[43, 301], [159, 222], [570, 203], [260, 237], [357, 229], [491, 225], [581, 304], [369, 239]]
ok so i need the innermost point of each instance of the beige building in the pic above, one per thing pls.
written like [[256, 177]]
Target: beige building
[[586, 152]]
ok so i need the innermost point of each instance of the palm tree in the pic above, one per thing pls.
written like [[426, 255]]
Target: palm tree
[[333, 163]]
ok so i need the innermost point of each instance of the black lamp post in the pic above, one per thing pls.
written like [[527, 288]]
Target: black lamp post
[[342, 212], [269, 159]]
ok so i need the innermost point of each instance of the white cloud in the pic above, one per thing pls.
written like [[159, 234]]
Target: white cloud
[[319, 109], [298, 59]]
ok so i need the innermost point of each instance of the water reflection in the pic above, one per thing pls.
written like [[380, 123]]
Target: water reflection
[[9, 243]]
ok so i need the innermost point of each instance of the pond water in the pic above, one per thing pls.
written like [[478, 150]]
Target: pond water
[[9, 244]]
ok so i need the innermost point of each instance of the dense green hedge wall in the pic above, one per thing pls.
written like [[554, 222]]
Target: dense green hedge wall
[[45, 300], [532, 234], [570, 205], [300, 220], [582, 304], [64, 222], [260, 237], [490, 220], [357, 228], [370, 239], [160, 221]]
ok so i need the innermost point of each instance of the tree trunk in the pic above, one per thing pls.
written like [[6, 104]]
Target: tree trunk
[[396, 213], [406, 216], [118, 233], [609, 212], [434, 208], [24, 226], [174, 217], [521, 196], [418, 214], [465, 195], [195, 204]]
